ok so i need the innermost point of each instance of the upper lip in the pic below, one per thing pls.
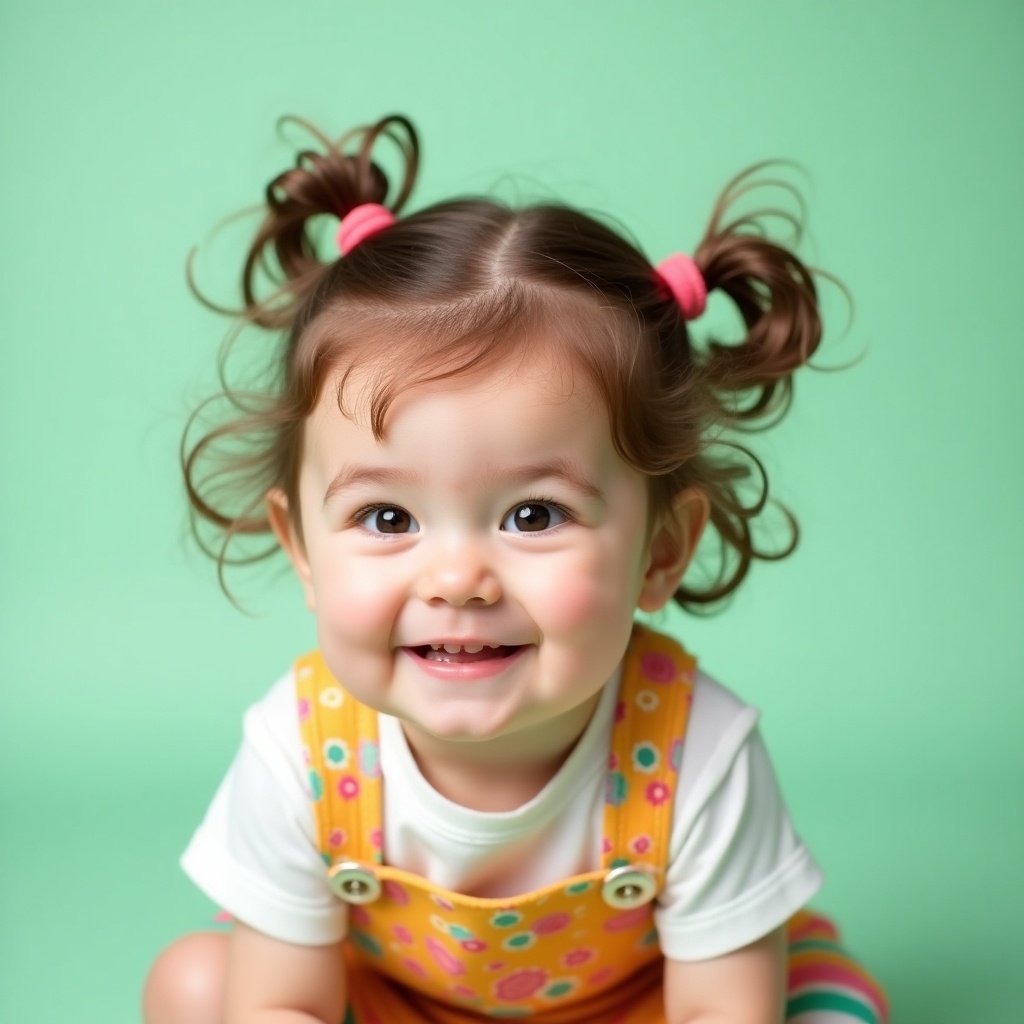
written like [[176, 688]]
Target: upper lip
[[452, 641], [457, 642]]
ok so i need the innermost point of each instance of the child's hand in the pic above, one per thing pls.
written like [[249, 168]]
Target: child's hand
[[744, 987], [274, 982]]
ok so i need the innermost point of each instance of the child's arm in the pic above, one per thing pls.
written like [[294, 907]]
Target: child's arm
[[744, 987], [274, 982]]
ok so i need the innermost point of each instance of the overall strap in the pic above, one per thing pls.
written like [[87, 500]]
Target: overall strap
[[340, 746], [655, 694]]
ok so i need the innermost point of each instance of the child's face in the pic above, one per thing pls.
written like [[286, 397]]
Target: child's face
[[475, 573]]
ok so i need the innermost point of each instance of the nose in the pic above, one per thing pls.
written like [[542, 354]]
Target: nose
[[458, 574]]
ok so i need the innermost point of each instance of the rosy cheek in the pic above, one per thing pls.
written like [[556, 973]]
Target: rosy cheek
[[355, 602], [586, 593], [574, 605], [355, 620]]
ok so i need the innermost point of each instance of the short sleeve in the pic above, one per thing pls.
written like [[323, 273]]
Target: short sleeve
[[255, 853], [737, 869]]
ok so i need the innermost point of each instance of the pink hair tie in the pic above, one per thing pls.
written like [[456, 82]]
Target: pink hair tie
[[359, 223], [684, 280]]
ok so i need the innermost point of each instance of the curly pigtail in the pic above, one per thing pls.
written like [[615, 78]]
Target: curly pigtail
[[329, 182], [250, 452], [749, 385]]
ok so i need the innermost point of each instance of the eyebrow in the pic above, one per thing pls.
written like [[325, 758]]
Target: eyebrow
[[558, 469], [351, 476]]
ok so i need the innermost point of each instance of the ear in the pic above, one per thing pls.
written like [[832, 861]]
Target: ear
[[288, 537], [672, 545]]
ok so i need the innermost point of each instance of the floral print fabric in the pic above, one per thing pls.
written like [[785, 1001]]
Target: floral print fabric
[[581, 951]]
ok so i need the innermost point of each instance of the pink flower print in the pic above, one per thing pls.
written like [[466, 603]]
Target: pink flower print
[[658, 668], [613, 762], [578, 957], [336, 838], [551, 923], [348, 787], [520, 984], [359, 916], [376, 838], [462, 992], [601, 977], [403, 934], [448, 963], [606, 845], [413, 967], [628, 919], [303, 709], [640, 845], [473, 946], [657, 793], [396, 893], [443, 903], [620, 711], [497, 966]]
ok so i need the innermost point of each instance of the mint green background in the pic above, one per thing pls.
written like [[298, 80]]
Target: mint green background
[[887, 653]]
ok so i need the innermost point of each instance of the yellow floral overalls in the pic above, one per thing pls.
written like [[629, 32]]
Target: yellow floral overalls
[[581, 951]]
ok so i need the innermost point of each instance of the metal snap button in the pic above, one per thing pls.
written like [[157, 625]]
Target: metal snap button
[[354, 883], [628, 886]]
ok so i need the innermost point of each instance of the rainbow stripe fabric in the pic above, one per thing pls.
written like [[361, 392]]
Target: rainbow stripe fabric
[[826, 986]]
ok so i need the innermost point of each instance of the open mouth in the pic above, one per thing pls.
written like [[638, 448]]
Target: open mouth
[[462, 655]]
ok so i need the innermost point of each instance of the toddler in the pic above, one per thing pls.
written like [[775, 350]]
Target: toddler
[[491, 794]]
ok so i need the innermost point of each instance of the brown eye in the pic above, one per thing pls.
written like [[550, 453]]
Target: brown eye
[[388, 519], [533, 517]]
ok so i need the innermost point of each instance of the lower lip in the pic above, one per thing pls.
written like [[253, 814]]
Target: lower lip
[[464, 672]]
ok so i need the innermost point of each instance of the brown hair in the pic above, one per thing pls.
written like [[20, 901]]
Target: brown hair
[[456, 286]]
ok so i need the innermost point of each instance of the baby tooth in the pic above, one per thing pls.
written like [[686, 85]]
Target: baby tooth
[[452, 648], [435, 647], [474, 649]]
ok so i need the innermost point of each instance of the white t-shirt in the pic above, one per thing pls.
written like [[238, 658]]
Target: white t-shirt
[[736, 870]]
